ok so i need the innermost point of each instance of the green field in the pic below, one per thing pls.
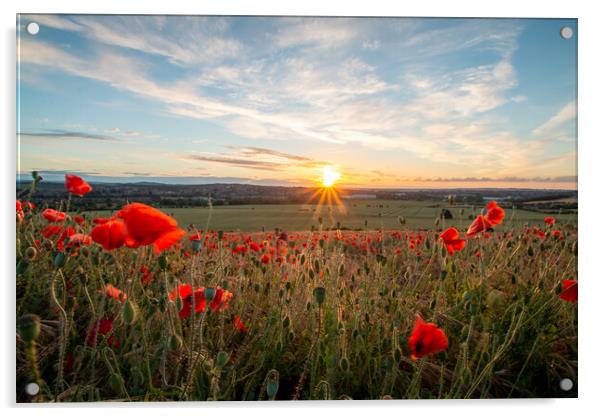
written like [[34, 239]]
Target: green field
[[375, 214]]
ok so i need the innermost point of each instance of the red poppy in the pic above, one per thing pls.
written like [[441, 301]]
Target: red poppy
[[221, 300], [103, 326], [77, 185], [185, 293], [239, 325], [79, 239], [495, 214], [117, 294], [569, 290], [479, 224], [54, 216], [426, 339], [147, 276], [549, 220], [147, 225], [58, 231], [451, 239], [110, 235], [101, 220], [265, 259], [20, 214], [79, 219]]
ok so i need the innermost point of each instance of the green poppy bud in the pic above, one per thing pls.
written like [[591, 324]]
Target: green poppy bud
[[60, 259], [175, 342], [222, 359], [130, 312], [209, 294], [29, 327], [30, 253], [319, 295]]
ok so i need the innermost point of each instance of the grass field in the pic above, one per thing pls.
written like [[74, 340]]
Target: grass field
[[358, 214]]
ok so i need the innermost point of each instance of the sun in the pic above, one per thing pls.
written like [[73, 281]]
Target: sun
[[330, 175]]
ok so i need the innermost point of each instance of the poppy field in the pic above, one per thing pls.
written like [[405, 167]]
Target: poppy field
[[138, 306]]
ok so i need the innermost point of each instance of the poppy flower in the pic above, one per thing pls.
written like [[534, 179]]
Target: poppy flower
[[103, 326], [495, 214], [451, 239], [239, 325], [147, 225], [79, 239], [265, 259], [20, 214], [54, 216], [221, 300], [569, 290], [100, 221], [147, 276], [185, 293], [117, 294], [479, 224], [76, 185], [110, 235], [549, 220], [426, 339], [58, 231], [79, 219]]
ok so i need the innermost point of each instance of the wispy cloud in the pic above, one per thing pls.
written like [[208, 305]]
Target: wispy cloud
[[566, 179], [566, 114], [65, 134]]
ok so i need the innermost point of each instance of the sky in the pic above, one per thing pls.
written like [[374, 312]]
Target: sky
[[387, 102]]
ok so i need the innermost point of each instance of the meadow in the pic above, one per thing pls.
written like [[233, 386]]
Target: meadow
[[371, 214], [145, 307]]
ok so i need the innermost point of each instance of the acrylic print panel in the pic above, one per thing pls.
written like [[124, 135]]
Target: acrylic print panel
[[282, 208]]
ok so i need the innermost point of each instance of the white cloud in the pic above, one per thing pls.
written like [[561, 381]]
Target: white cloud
[[335, 97], [566, 114]]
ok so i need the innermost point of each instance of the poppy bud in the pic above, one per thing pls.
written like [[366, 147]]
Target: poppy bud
[[220, 235], [175, 342], [196, 245], [30, 253], [60, 259], [130, 312], [319, 295], [22, 267], [344, 363], [209, 294], [221, 359], [271, 387], [163, 262], [116, 382], [84, 251], [29, 327], [286, 322], [291, 336], [397, 355]]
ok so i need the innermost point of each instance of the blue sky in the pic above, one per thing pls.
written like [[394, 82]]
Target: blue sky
[[389, 102]]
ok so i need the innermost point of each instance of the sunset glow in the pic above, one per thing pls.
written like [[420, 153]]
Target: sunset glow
[[330, 175]]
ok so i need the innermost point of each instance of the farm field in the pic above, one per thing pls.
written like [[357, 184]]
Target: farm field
[[357, 214], [140, 308]]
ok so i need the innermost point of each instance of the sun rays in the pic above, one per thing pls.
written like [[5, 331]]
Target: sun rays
[[328, 197]]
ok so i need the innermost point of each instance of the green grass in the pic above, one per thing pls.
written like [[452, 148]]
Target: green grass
[[298, 217]]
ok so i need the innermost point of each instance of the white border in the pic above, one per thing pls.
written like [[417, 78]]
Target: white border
[[590, 207]]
